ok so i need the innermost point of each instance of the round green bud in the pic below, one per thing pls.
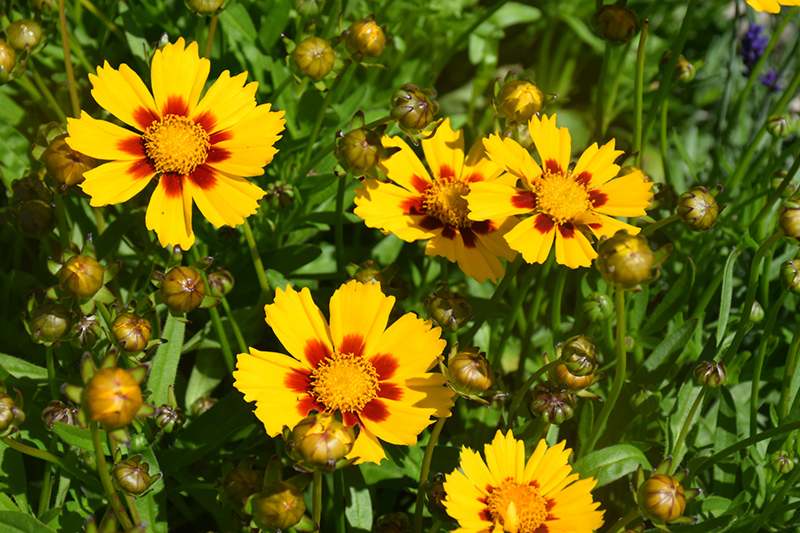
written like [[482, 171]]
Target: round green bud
[[314, 57], [626, 260], [662, 497], [280, 505], [81, 276], [35, 218], [781, 462], [789, 220], [756, 312], [240, 484], [615, 23], [597, 307], [8, 60], [132, 332], [169, 418], [64, 165], [553, 405], [710, 374], [51, 321], [790, 276], [360, 149], [132, 476], [413, 108], [280, 195], [579, 355], [321, 439], [24, 33], [364, 39], [469, 372], [698, 209], [519, 100], [205, 7], [58, 411], [448, 309], [183, 289]]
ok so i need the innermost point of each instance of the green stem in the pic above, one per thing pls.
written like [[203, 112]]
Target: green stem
[[788, 373], [619, 375], [558, 292], [423, 473], [101, 307], [257, 263], [212, 29], [132, 508], [50, 458], [600, 118], [752, 285], [624, 521], [113, 28], [339, 223], [73, 91], [105, 478], [437, 524], [484, 312], [664, 144], [638, 90], [237, 332], [762, 353], [51, 371], [676, 450], [321, 115], [764, 515], [47, 481], [775, 194], [276, 92], [99, 219], [227, 354], [649, 230], [316, 497], [61, 217], [519, 394], [48, 95], [339, 500]]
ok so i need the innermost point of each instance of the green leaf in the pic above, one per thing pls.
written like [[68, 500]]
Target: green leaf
[[515, 13], [156, 499], [726, 434], [585, 422], [164, 367], [673, 301], [19, 368], [80, 437], [610, 464], [727, 294], [207, 372], [680, 416], [12, 474], [19, 522], [6, 503], [235, 19], [654, 369], [358, 503]]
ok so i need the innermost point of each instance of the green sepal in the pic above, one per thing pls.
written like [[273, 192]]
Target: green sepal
[[72, 392], [639, 477], [272, 472], [37, 151], [145, 410], [171, 400], [680, 475], [88, 368], [109, 360], [175, 259], [306, 525], [120, 435], [203, 264], [111, 271], [210, 301], [52, 266], [663, 467], [87, 307], [691, 494], [684, 520], [139, 372]]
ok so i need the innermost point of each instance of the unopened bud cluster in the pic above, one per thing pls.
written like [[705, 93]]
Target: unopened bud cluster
[[448, 309]]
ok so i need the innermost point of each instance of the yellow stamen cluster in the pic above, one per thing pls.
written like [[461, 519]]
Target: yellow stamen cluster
[[176, 144], [561, 197], [344, 381], [444, 200], [516, 507]]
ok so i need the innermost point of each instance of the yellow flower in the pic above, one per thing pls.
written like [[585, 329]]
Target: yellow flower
[[771, 6], [504, 493], [565, 205], [376, 377], [416, 207], [196, 150]]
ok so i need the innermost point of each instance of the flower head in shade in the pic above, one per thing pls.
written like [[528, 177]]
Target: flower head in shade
[[771, 6], [416, 206], [375, 376], [506, 493], [567, 206], [197, 150]]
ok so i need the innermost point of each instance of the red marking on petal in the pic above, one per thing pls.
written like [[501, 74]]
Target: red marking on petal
[[207, 121], [203, 177], [430, 223], [468, 236], [475, 176], [445, 171], [390, 391], [144, 118], [543, 528], [524, 200], [543, 224], [550, 504], [353, 343], [483, 227], [140, 169], [485, 515], [296, 381], [218, 155], [219, 136], [315, 352], [306, 404], [449, 232], [419, 184], [132, 146], [567, 230], [173, 184], [413, 206], [385, 365], [534, 484], [350, 419], [552, 166], [176, 105], [595, 225], [584, 178], [375, 411], [597, 198]]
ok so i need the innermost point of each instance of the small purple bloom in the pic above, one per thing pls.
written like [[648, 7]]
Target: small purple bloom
[[770, 80], [753, 46]]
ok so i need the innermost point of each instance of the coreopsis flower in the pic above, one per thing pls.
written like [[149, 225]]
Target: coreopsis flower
[[416, 206], [375, 376], [196, 150], [771, 6], [566, 206], [505, 493]]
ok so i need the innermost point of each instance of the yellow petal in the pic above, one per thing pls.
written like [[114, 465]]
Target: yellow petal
[[531, 240], [299, 325], [597, 164], [413, 343], [169, 212], [223, 199], [478, 166], [248, 144], [367, 448], [116, 182], [553, 144], [627, 196], [515, 159], [401, 423], [226, 103], [103, 140], [359, 313], [123, 94], [178, 75], [386, 206], [573, 249], [445, 151], [404, 167], [490, 200]]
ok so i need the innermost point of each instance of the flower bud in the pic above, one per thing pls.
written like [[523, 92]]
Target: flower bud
[[220, 282], [314, 57], [8, 60], [64, 165], [202, 404], [597, 307], [205, 7], [790, 276], [360, 149], [113, 397], [756, 312], [51, 321], [789, 220], [781, 126], [615, 23], [81, 276], [132, 332], [45, 6], [169, 418], [280, 195], [413, 108], [11, 416], [469, 372], [24, 33], [58, 411], [711, 374], [364, 39], [308, 8], [393, 523], [320, 439], [183, 289], [781, 462], [645, 401], [553, 405], [448, 309], [698, 209], [685, 70], [35, 218], [369, 272], [791, 187], [662, 497], [434, 499], [280, 505], [132, 476], [574, 382], [579, 355], [86, 331], [626, 260], [240, 484], [519, 100]]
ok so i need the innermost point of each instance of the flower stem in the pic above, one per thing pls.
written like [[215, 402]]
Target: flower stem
[[237, 332], [600, 118], [61, 216], [437, 524], [770, 508], [50, 458], [339, 223], [648, 230], [46, 92], [624, 521], [558, 291], [788, 373], [519, 395], [423, 473], [762, 353], [132, 508], [73, 91], [47, 481], [212, 29], [316, 497], [676, 450], [638, 90], [321, 115], [485, 311], [51, 371], [105, 478], [260, 273], [619, 375]]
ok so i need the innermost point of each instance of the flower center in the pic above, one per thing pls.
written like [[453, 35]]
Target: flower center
[[176, 144], [443, 200], [518, 508], [561, 197], [344, 381]]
